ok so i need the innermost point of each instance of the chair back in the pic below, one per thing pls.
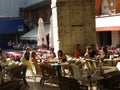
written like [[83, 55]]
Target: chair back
[[110, 81], [48, 73], [77, 71], [95, 64], [18, 71], [89, 64], [67, 83]]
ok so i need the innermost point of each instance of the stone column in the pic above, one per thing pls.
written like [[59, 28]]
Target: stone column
[[73, 22]]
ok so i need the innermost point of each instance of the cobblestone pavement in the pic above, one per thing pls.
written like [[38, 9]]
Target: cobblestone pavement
[[35, 85]]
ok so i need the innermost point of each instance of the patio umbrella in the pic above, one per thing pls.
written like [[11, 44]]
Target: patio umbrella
[[51, 41], [41, 33]]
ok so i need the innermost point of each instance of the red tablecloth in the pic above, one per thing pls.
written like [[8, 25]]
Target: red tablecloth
[[14, 55]]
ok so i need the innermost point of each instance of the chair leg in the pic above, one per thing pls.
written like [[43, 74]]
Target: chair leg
[[42, 82], [25, 82]]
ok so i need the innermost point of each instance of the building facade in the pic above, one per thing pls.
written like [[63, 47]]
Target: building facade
[[11, 22], [103, 9], [107, 22]]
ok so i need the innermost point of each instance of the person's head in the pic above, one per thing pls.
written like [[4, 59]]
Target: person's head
[[33, 53], [51, 49], [89, 49], [28, 49], [92, 46], [105, 50], [60, 52], [78, 46]]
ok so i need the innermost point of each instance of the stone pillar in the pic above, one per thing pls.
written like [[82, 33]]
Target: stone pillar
[[73, 22]]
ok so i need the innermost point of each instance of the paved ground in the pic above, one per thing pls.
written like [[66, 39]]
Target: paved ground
[[34, 85]]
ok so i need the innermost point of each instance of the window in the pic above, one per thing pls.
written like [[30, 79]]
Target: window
[[105, 38]]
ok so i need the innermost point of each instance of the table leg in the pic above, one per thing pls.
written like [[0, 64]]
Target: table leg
[[112, 63], [90, 85]]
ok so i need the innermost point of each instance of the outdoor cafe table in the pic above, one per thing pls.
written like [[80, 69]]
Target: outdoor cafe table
[[102, 68], [54, 61], [59, 68], [90, 80], [111, 62], [60, 64]]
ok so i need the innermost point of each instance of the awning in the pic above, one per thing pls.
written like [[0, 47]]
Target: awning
[[108, 23], [11, 25], [33, 34]]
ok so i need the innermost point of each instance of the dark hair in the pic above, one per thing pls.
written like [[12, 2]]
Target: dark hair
[[61, 52], [77, 46], [27, 48], [33, 53], [105, 50], [52, 49], [88, 47]]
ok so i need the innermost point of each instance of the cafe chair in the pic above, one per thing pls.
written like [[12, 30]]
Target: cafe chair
[[67, 70], [111, 81], [48, 74], [18, 73], [77, 71], [67, 83]]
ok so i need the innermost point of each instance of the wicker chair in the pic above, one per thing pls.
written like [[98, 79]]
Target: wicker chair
[[77, 71], [67, 83], [67, 70], [48, 74], [18, 73]]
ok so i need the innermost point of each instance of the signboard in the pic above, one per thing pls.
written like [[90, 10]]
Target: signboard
[[20, 28], [11, 25]]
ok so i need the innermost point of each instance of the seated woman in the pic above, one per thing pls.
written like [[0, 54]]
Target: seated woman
[[105, 52], [53, 55], [91, 53], [26, 60], [88, 52], [94, 52], [61, 56], [89, 63], [35, 62]]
